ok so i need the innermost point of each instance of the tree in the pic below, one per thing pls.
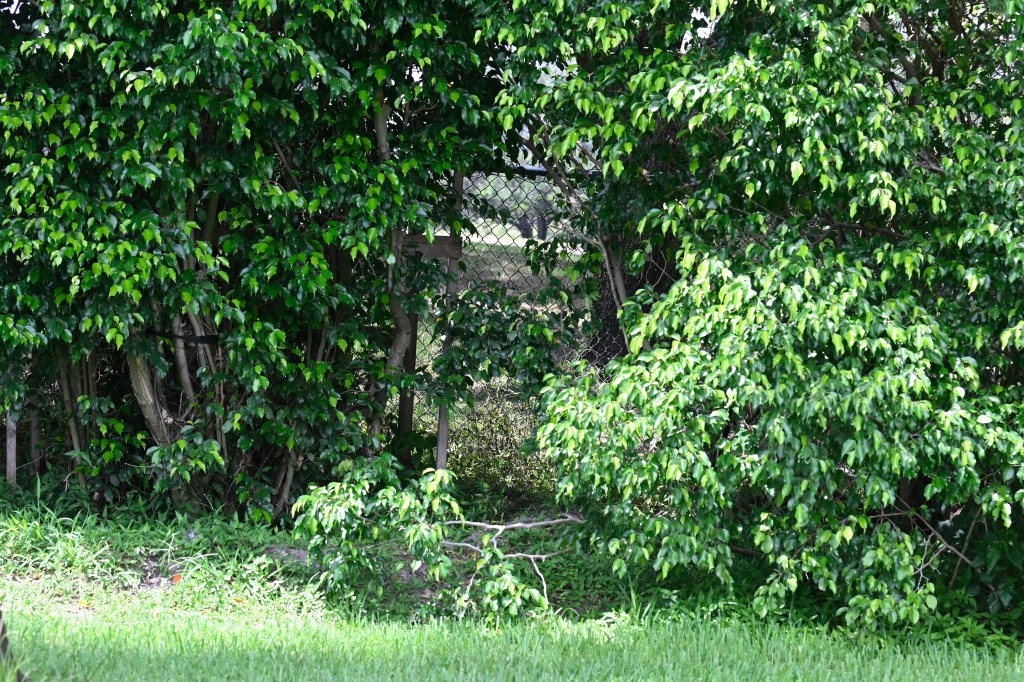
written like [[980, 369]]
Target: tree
[[205, 249], [834, 379]]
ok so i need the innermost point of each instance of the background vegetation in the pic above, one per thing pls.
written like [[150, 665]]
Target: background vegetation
[[801, 222]]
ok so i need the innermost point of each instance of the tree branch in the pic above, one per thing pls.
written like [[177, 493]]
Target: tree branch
[[967, 544], [941, 539], [514, 526], [514, 555], [293, 181]]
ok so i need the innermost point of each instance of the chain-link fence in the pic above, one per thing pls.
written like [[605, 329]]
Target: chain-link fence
[[507, 213]]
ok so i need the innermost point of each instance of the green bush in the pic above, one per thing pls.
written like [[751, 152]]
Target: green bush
[[834, 380], [204, 253]]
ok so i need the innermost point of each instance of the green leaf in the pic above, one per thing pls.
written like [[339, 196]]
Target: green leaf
[[796, 168]]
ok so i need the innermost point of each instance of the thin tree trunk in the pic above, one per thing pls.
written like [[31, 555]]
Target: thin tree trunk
[[210, 223], [616, 281], [149, 403], [34, 453], [71, 409], [12, 450], [198, 330], [403, 325], [89, 377], [208, 361], [75, 429], [406, 401], [147, 398], [283, 491], [181, 361], [70, 404]]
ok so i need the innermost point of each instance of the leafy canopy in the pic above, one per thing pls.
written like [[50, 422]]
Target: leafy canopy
[[834, 379]]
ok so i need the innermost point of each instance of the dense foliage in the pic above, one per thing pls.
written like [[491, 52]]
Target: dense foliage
[[834, 380], [807, 218], [203, 270]]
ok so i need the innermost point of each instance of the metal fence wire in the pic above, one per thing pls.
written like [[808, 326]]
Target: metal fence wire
[[510, 209], [506, 212]]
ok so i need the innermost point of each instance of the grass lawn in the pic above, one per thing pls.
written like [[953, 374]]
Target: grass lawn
[[248, 645], [92, 600]]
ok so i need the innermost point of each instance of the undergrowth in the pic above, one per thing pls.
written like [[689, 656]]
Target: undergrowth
[[93, 597], [82, 563]]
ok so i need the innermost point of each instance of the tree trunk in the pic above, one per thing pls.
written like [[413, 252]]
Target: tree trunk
[[12, 450], [70, 396], [284, 487], [181, 362], [149, 401], [403, 325], [70, 403], [34, 453], [407, 399]]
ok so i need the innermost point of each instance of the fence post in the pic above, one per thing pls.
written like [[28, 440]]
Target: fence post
[[12, 450], [459, 181], [442, 412], [407, 398]]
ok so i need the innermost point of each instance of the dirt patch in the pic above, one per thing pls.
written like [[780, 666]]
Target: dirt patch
[[152, 575], [291, 555]]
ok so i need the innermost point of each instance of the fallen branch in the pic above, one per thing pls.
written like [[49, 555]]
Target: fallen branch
[[501, 528], [514, 555]]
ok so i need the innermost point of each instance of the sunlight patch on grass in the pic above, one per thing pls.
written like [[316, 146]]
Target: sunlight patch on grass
[[169, 645]]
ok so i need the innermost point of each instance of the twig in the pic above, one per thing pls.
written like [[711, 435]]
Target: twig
[[535, 557], [514, 555], [941, 539], [543, 583], [925, 565], [743, 551], [967, 543], [287, 165], [464, 545], [888, 515]]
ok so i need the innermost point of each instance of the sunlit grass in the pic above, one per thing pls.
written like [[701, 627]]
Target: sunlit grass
[[93, 599], [169, 645]]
